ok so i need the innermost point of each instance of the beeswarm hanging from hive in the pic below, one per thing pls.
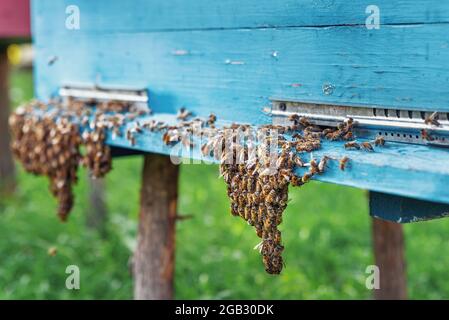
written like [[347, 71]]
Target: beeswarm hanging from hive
[[257, 163], [47, 140]]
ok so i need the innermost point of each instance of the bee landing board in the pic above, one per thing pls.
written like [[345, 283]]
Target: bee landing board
[[234, 62]]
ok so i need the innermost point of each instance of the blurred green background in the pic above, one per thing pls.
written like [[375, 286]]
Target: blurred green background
[[326, 232]]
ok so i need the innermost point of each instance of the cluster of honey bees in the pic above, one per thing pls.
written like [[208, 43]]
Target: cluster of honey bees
[[257, 163], [53, 139]]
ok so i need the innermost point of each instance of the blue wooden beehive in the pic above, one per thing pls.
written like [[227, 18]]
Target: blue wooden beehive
[[326, 59]]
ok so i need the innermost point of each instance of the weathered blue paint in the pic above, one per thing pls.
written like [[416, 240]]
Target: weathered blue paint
[[231, 57], [107, 16], [404, 210], [234, 72]]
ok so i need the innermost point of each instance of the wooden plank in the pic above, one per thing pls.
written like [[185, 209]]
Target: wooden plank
[[144, 16], [413, 177], [235, 72], [154, 257], [7, 169], [388, 241], [402, 210]]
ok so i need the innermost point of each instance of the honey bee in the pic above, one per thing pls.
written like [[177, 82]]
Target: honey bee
[[343, 163], [379, 141], [52, 60], [138, 127], [130, 137], [349, 123], [306, 177], [183, 114], [333, 135], [348, 136], [294, 118], [327, 131], [305, 122], [432, 120], [314, 167], [52, 251], [211, 120], [367, 146], [322, 164], [426, 136], [352, 145], [341, 126], [295, 181]]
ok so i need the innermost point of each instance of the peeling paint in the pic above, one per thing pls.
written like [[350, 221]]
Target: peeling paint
[[228, 61], [181, 52]]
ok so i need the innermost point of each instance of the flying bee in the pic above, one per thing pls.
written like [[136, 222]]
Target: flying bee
[[379, 141], [432, 120], [343, 163], [366, 146], [52, 251], [352, 145]]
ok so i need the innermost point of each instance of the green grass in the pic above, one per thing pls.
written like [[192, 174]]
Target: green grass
[[326, 232]]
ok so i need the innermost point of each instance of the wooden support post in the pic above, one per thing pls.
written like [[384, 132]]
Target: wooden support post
[[97, 211], [155, 253], [7, 170], [388, 241]]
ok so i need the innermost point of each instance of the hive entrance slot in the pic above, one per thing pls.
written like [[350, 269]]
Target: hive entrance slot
[[136, 98], [407, 126]]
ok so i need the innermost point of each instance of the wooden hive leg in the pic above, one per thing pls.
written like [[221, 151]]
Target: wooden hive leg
[[388, 241], [7, 170], [155, 253]]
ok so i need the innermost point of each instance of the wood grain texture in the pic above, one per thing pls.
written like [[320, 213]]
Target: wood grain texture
[[144, 16], [232, 57], [234, 72], [7, 169], [388, 240], [155, 252], [403, 209]]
